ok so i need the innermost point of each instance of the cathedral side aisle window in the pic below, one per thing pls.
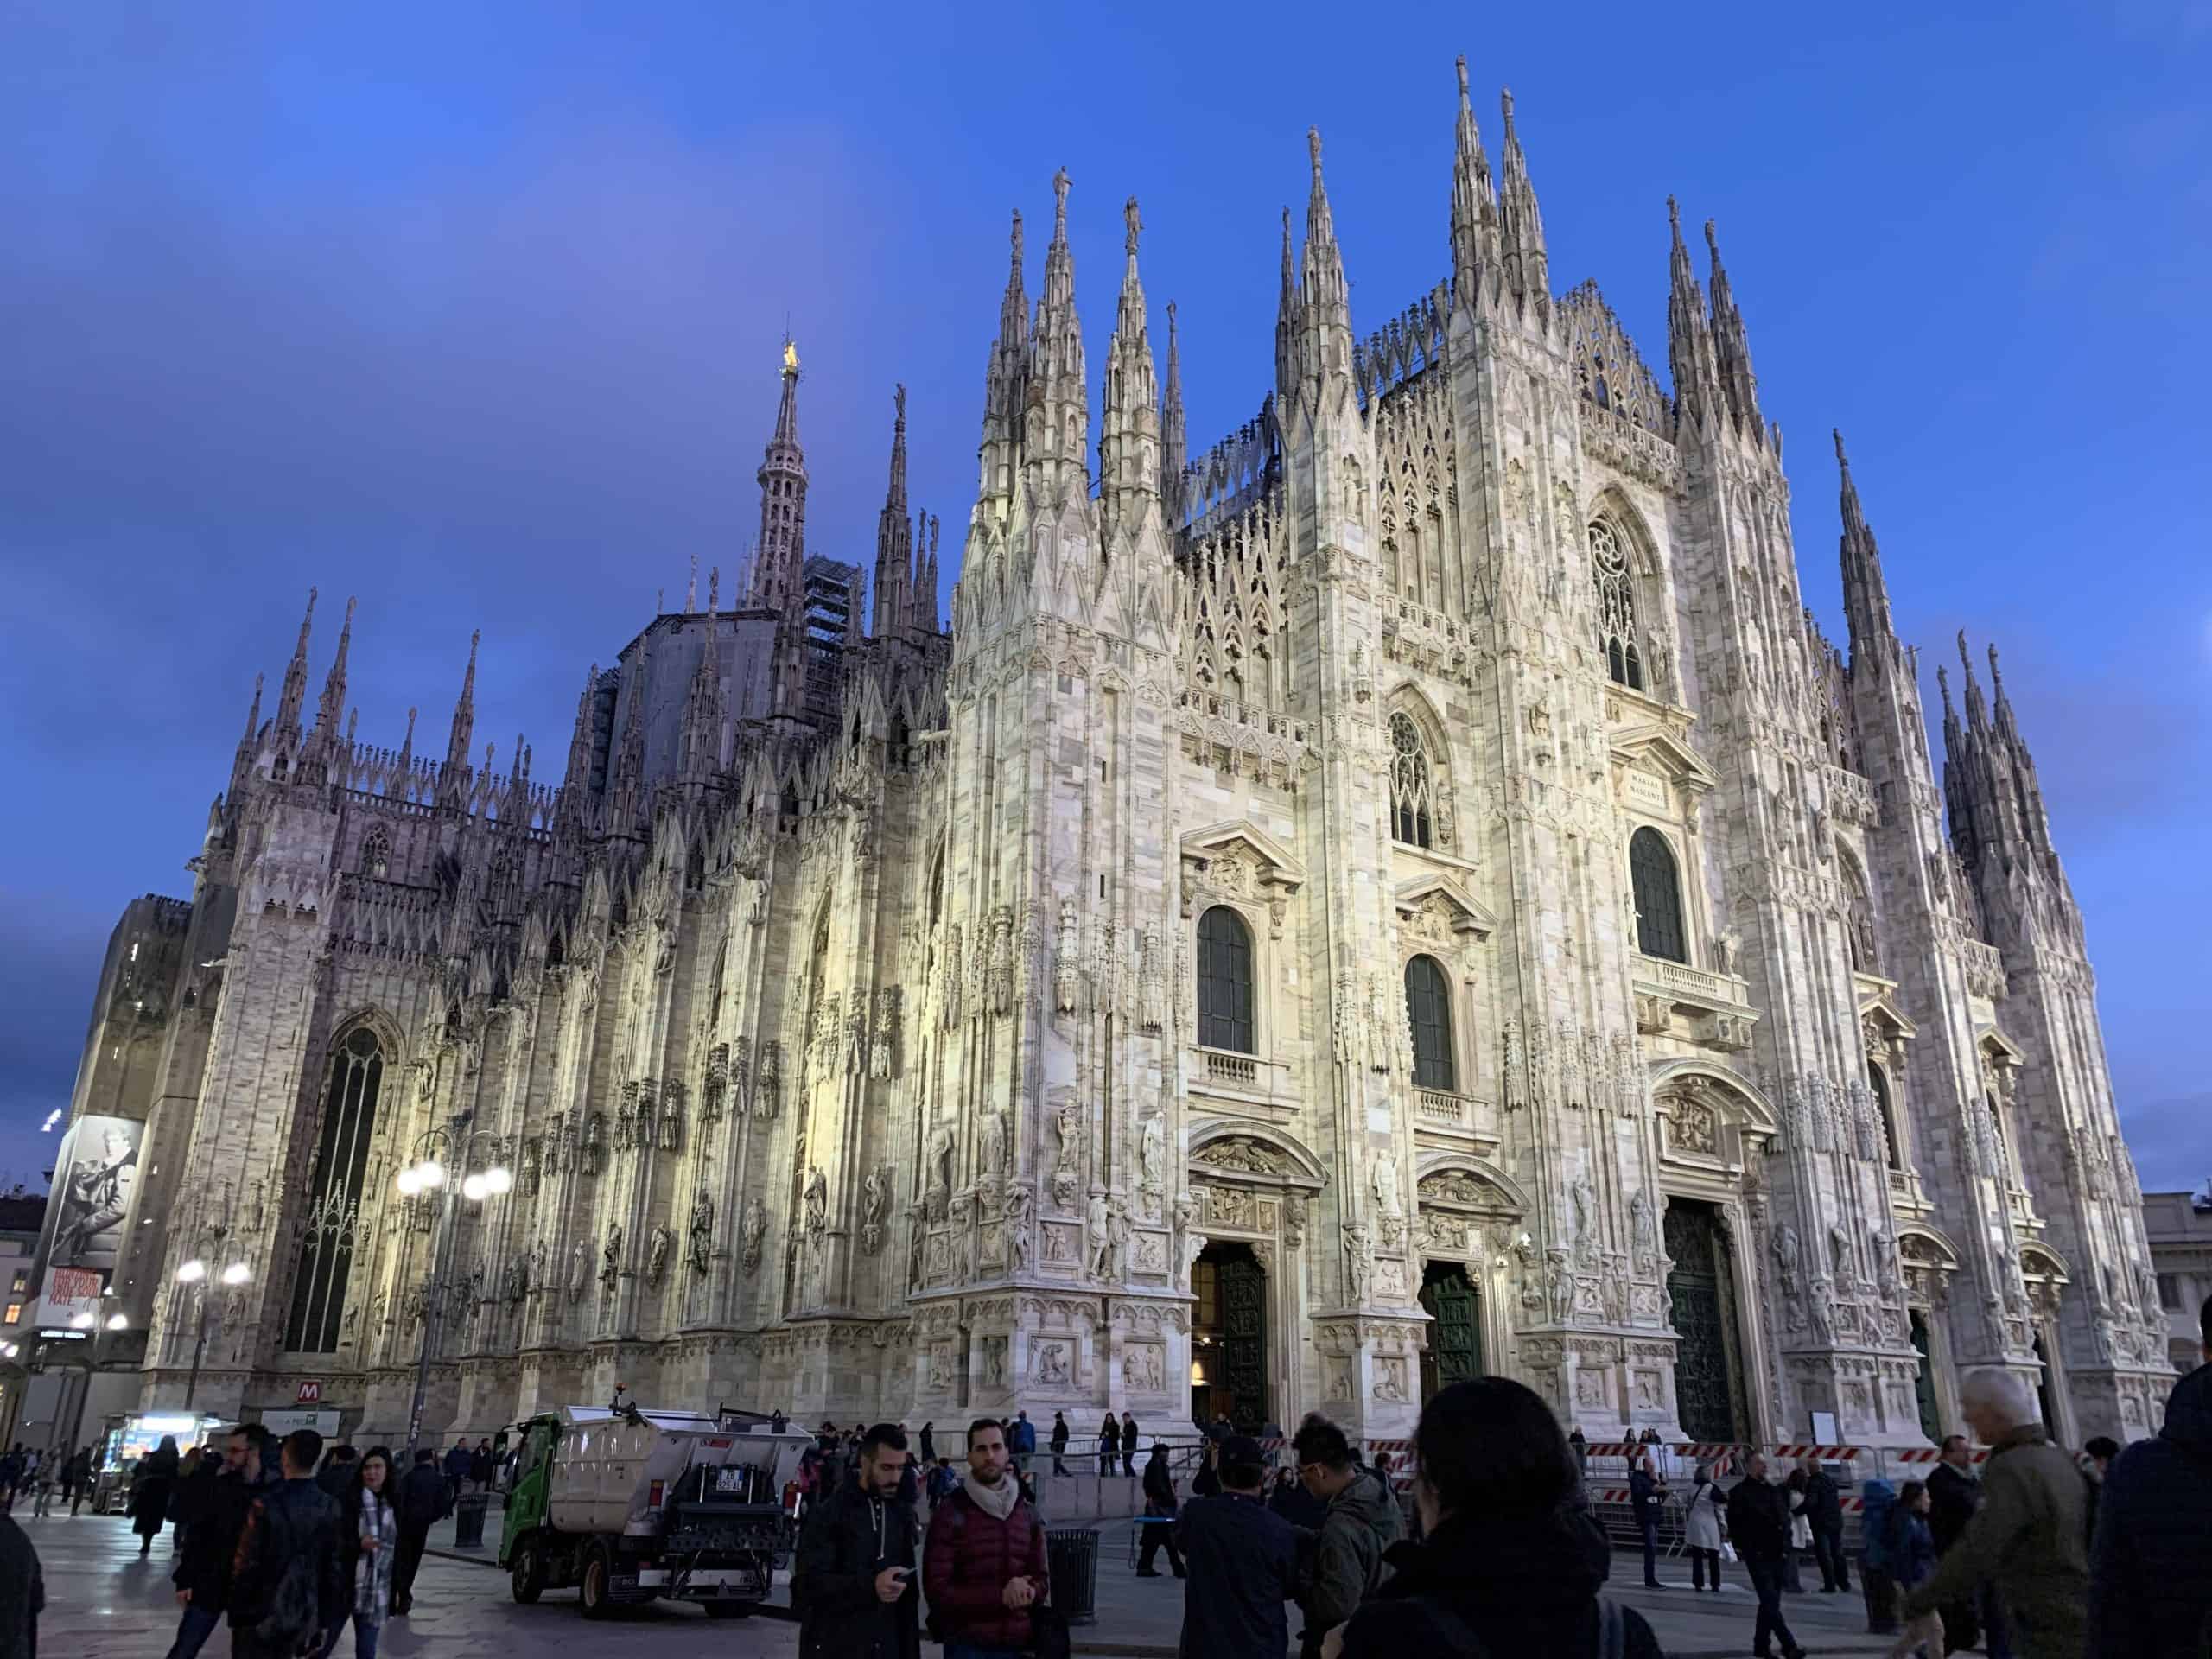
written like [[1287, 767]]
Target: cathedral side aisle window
[[1616, 587], [1412, 788], [1225, 982], [1428, 1009], [349, 1116], [1659, 930]]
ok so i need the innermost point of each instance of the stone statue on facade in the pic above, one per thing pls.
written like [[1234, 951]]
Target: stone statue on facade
[[1359, 1265], [1018, 1204], [610, 1259], [993, 1159], [701, 1242], [1152, 1153], [1095, 1231], [752, 1229], [657, 1253], [939, 1162]]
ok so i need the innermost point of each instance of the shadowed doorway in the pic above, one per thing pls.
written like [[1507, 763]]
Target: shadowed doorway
[[1229, 1337]]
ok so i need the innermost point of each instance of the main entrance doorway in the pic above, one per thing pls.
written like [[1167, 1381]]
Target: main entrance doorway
[[1708, 1365], [1229, 1337], [1455, 1340]]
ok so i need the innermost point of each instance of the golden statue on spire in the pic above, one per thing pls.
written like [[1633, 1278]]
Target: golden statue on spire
[[790, 355]]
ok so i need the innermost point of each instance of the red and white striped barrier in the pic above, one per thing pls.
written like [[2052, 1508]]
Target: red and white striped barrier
[[1825, 1454], [1932, 1454]]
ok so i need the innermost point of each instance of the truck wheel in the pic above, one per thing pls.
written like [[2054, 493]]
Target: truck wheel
[[595, 1594], [528, 1572], [729, 1610]]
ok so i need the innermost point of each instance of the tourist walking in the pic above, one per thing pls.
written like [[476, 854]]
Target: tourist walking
[[456, 1464], [1363, 1520], [1288, 1498], [481, 1465], [1021, 1440], [2025, 1541], [1647, 1499], [1059, 1442], [1109, 1443], [983, 1566], [338, 1474], [1758, 1525], [852, 1580], [1241, 1559], [424, 1500], [1701, 1528], [1953, 1495], [1159, 1507], [368, 1536], [224, 1493], [288, 1583], [1511, 1564], [1908, 1547], [77, 1478], [22, 1591], [929, 1443], [2150, 1594], [1207, 1481], [151, 1483], [1824, 1515], [1128, 1444]]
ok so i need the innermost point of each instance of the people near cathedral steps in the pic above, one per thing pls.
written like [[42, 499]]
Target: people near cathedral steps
[[1059, 1442], [1361, 1522], [1758, 1525], [216, 1504], [2025, 1541], [1021, 1440], [368, 1544], [424, 1500], [151, 1485], [1701, 1528], [1647, 1498], [1512, 1560], [853, 1578], [2151, 1566], [1241, 1558], [1128, 1444], [288, 1581], [984, 1566], [1158, 1525], [1109, 1443], [1824, 1516]]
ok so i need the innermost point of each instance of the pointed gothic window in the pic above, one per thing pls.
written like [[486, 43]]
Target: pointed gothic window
[[1428, 1009], [1887, 1109], [1616, 586], [329, 1227], [1858, 917], [1412, 794], [1658, 886], [1225, 980], [376, 854]]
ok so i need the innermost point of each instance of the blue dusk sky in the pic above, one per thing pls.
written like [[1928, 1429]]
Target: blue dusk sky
[[473, 311]]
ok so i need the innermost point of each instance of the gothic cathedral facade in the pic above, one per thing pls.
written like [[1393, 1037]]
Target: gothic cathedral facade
[[1408, 893]]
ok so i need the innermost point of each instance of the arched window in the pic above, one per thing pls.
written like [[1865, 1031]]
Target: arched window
[[1412, 789], [1428, 1009], [376, 854], [1858, 917], [1616, 586], [1883, 1104], [341, 1162], [1659, 930], [1225, 980]]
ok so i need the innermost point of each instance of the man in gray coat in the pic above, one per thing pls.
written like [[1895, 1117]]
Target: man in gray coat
[[1362, 1521]]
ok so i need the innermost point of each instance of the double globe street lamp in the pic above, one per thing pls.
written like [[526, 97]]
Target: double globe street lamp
[[193, 1275], [422, 1182]]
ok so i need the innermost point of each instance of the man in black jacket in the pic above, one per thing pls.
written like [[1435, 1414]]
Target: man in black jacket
[[852, 1580], [338, 1470], [215, 1501], [424, 1498], [1244, 1563], [1952, 1496], [1059, 1442], [1647, 1498], [2150, 1595], [1824, 1514], [287, 1580], [1758, 1525], [1159, 1525]]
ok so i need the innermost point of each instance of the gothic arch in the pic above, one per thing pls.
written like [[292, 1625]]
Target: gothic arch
[[1420, 791], [1238, 1149], [1632, 634], [1511, 1199]]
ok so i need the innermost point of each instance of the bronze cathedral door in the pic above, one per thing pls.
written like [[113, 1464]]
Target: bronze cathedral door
[[1708, 1365], [1455, 1340]]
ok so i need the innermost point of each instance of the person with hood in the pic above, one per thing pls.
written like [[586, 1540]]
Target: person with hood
[[151, 1483], [1759, 1523], [1701, 1528], [422, 1501], [2150, 1589], [1159, 1507], [1513, 1560], [1362, 1521], [853, 1580], [1243, 1560], [2026, 1541], [1021, 1440], [338, 1473]]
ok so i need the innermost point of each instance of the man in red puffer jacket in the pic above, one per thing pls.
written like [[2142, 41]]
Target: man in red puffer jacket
[[984, 1566]]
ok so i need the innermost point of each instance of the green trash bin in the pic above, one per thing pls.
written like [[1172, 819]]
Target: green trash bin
[[1072, 1558], [468, 1520]]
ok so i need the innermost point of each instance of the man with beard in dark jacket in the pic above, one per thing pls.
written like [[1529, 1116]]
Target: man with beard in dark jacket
[[2150, 1586], [1758, 1525], [1243, 1561], [1511, 1561], [853, 1582], [424, 1498], [1953, 1495], [288, 1577], [216, 1501]]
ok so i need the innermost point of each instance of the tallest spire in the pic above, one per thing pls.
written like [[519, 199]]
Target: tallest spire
[[782, 550], [894, 533], [1474, 201], [1005, 383], [1866, 593], [1324, 298], [1057, 380], [1520, 226], [295, 691]]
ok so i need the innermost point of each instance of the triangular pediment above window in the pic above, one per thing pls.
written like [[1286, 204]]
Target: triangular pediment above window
[[1243, 844], [1653, 749], [1880, 1018], [1441, 908]]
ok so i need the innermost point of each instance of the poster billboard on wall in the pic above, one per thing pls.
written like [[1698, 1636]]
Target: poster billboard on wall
[[69, 1292], [93, 1183]]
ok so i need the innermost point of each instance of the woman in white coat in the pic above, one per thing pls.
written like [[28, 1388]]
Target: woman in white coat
[[1701, 1528]]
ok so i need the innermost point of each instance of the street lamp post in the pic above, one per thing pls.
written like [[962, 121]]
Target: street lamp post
[[192, 1273], [424, 1176]]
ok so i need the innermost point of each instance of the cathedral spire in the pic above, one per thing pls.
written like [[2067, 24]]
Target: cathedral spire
[[1325, 298], [1976, 711], [407, 746], [1520, 226], [1731, 349], [575, 782], [464, 719], [925, 590], [333, 703], [253, 715], [1474, 202], [779, 561], [699, 741], [1004, 381], [1129, 438], [1174, 440], [1287, 321], [295, 691], [1866, 593], [1059, 382], [1689, 336], [895, 534]]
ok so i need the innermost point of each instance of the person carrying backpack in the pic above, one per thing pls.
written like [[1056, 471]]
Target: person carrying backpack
[[288, 1577]]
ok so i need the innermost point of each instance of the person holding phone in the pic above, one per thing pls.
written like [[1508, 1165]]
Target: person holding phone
[[853, 1581]]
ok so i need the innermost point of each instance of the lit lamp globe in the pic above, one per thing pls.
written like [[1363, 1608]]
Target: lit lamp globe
[[192, 1271], [237, 1273], [117, 1322], [431, 1172], [497, 1180], [411, 1182], [82, 1322], [473, 1188]]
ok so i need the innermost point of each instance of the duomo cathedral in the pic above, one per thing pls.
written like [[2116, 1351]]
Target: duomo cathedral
[[1408, 892]]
